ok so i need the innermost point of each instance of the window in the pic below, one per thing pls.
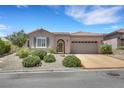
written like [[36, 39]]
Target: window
[[84, 41], [88, 41], [95, 41], [41, 42], [122, 39]]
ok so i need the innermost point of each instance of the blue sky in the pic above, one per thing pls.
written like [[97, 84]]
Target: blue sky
[[99, 19]]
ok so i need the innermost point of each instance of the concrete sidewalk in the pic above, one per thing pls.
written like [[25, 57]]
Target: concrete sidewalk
[[99, 61]]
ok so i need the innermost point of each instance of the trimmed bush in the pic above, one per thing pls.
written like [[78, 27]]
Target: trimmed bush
[[106, 49], [5, 47], [31, 61], [39, 53], [49, 58], [52, 51], [22, 53], [121, 47], [71, 61]]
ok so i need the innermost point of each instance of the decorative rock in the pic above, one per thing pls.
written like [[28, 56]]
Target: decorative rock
[[1, 64]]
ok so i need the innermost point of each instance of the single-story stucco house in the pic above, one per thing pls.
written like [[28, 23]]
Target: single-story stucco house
[[115, 38], [78, 42]]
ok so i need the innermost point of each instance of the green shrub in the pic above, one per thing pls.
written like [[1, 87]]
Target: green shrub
[[71, 61], [39, 53], [49, 58], [121, 47], [106, 49], [23, 52], [52, 51], [5, 47], [2, 45], [31, 61]]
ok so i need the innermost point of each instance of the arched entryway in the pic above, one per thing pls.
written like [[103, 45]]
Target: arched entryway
[[60, 46]]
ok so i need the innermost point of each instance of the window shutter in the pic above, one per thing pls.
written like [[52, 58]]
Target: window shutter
[[47, 42], [34, 42]]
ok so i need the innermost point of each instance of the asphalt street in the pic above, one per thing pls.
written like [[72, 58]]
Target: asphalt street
[[77, 79]]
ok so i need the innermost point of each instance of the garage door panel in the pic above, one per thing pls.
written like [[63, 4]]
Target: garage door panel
[[84, 48]]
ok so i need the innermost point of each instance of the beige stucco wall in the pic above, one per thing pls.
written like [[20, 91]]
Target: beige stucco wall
[[120, 43], [113, 42], [66, 39], [41, 34], [88, 38]]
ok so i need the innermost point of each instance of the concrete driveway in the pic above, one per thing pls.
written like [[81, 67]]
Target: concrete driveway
[[99, 61]]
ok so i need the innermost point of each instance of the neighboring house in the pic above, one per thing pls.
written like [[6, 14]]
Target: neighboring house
[[79, 42], [4, 38], [115, 38]]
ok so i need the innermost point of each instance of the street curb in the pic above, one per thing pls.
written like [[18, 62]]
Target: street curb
[[41, 70], [56, 70]]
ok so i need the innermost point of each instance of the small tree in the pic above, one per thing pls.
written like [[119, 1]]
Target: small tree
[[18, 38]]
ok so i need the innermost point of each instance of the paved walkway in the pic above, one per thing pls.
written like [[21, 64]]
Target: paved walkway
[[100, 61]]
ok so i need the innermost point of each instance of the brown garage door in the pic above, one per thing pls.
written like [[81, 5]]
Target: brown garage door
[[84, 47]]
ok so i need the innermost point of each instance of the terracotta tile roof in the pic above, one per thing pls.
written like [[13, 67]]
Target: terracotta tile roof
[[38, 30], [85, 34], [115, 32], [80, 33], [61, 33], [120, 31]]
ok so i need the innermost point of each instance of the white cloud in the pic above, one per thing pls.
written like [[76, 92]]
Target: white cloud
[[2, 26], [113, 27], [94, 14], [22, 6]]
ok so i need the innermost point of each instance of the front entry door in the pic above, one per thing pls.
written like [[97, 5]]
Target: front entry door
[[61, 46]]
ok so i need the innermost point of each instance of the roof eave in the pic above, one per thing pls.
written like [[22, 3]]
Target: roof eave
[[37, 31], [88, 35]]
